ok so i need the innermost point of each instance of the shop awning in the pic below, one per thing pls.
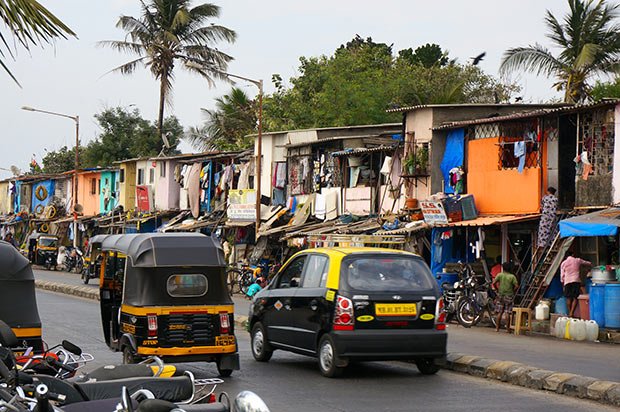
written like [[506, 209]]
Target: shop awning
[[491, 220], [601, 223]]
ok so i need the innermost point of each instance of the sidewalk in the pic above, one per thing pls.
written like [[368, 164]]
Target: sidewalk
[[597, 360]]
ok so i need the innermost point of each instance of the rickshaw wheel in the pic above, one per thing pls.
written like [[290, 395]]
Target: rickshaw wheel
[[224, 373], [128, 356]]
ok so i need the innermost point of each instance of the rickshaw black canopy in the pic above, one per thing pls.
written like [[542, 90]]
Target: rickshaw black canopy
[[167, 249], [18, 303]]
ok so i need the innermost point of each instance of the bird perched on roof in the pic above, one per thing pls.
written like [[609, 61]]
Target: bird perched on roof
[[478, 58]]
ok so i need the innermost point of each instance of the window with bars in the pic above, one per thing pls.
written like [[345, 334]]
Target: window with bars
[[596, 138], [508, 135]]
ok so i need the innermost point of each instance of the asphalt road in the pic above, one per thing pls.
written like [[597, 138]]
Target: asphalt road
[[292, 383], [598, 360]]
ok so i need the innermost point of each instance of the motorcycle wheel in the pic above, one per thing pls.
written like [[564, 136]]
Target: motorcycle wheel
[[79, 266], [466, 313], [85, 278], [232, 281], [245, 280]]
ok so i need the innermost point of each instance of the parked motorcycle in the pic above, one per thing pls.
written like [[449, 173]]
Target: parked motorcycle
[[73, 260], [477, 299]]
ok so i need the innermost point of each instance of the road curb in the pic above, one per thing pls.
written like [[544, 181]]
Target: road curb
[[88, 292], [514, 373]]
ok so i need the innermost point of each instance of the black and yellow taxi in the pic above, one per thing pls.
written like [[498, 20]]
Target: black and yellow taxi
[[351, 304]]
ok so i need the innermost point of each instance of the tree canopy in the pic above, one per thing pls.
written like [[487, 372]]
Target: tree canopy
[[172, 32], [588, 39], [362, 79], [125, 134]]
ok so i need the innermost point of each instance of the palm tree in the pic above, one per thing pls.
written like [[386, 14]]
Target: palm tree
[[169, 31], [589, 42], [30, 24], [228, 126]]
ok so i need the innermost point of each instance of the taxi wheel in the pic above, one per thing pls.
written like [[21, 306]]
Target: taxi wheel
[[224, 373], [260, 347], [128, 356], [427, 366], [328, 359]]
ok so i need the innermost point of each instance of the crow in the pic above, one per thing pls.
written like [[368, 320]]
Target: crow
[[478, 58]]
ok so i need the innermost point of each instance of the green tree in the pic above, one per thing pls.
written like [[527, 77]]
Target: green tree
[[228, 126], [363, 78], [602, 90], [170, 32], [428, 56], [61, 160], [29, 24], [126, 134], [589, 44]]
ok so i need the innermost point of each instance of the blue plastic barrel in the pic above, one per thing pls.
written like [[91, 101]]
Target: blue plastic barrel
[[560, 306], [446, 277], [597, 303], [612, 306]]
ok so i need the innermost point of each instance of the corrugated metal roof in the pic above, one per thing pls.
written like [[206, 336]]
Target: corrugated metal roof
[[424, 106], [321, 129], [492, 220], [362, 150], [525, 115]]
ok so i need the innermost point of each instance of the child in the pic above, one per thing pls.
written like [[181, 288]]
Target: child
[[506, 285], [255, 287]]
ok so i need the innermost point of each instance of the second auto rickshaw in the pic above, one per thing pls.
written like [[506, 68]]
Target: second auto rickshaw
[[92, 259], [165, 294], [43, 250], [18, 301]]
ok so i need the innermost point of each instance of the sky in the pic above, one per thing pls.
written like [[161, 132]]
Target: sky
[[70, 77]]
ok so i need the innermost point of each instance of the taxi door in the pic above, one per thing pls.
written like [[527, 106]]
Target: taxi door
[[278, 317]]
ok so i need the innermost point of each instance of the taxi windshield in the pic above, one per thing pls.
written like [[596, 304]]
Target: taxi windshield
[[48, 242], [386, 273]]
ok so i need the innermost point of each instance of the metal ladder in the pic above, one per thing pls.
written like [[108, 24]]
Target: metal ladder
[[544, 270]]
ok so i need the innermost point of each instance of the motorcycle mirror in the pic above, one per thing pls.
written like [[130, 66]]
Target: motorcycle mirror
[[247, 401], [74, 349]]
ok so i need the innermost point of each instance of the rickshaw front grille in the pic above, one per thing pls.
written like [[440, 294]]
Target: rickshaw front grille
[[196, 328]]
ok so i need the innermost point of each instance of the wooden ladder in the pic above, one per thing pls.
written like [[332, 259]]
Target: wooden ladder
[[544, 270]]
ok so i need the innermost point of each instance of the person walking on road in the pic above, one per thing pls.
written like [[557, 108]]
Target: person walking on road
[[506, 285], [9, 238], [571, 280]]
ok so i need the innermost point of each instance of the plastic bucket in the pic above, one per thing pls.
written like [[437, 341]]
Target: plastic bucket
[[612, 306], [597, 303]]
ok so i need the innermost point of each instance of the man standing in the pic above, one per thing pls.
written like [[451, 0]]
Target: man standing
[[9, 238], [506, 285], [571, 280]]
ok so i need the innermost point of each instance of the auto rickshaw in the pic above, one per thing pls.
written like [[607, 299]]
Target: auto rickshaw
[[18, 301], [43, 250], [92, 259], [165, 294]]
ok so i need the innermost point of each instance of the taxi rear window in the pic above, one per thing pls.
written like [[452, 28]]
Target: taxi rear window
[[187, 285], [386, 273]]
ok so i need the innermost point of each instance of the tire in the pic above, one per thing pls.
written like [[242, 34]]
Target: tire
[[224, 373], [85, 278], [261, 350], [79, 266], [466, 313], [328, 358], [427, 366], [244, 281], [232, 280], [128, 356]]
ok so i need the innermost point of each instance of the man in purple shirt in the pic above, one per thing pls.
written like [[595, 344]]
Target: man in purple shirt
[[569, 275]]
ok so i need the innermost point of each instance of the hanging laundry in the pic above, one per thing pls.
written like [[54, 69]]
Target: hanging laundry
[[387, 166], [455, 177], [354, 176], [193, 185], [320, 207], [280, 176], [519, 152], [279, 197], [244, 176]]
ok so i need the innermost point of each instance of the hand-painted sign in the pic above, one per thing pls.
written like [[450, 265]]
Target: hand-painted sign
[[241, 204], [434, 212]]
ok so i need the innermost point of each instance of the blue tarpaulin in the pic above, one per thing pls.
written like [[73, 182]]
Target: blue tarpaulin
[[42, 193], [452, 156], [601, 223]]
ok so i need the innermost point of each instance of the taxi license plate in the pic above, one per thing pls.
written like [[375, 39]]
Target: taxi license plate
[[396, 309], [224, 340]]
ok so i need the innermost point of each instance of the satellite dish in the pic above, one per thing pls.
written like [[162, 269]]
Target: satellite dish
[[78, 208]]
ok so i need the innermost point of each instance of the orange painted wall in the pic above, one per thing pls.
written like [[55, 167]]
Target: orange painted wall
[[90, 202], [500, 190]]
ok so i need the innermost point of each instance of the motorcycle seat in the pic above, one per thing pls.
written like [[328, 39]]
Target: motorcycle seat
[[157, 405], [113, 372], [175, 389]]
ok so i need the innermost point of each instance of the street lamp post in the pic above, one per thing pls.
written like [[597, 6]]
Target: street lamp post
[[76, 119]]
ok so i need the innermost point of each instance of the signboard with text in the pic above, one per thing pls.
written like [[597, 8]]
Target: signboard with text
[[242, 204], [143, 198], [434, 212]]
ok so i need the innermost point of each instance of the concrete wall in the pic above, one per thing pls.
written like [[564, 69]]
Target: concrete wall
[[90, 201], [166, 188], [5, 198], [127, 187], [616, 173]]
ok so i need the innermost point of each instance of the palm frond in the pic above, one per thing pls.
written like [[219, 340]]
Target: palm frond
[[211, 34], [587, 56], [536, 59], [122, 46], [129, 67]]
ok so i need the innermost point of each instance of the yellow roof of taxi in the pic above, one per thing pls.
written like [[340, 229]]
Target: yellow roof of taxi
[[353, 250]]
